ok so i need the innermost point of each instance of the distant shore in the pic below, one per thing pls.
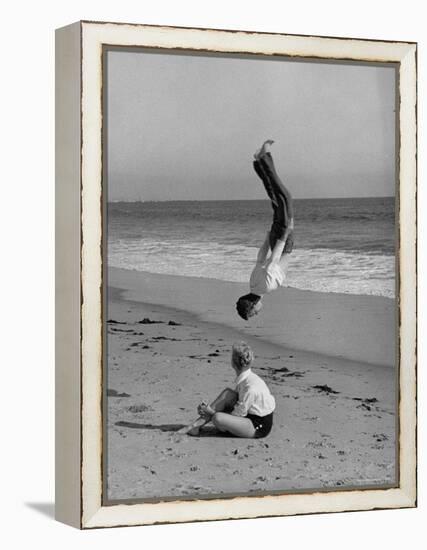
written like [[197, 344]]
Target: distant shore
[[326, 358]]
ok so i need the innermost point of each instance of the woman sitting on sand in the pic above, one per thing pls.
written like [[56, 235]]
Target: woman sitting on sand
[[270, 273], [246, 411]]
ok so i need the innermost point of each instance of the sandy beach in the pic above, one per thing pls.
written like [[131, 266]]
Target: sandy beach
[[328, 359]]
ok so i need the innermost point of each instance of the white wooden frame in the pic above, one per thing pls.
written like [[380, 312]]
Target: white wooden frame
[[79, 336]]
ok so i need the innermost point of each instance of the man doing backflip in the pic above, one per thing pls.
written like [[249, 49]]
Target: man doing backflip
[[269, 272]]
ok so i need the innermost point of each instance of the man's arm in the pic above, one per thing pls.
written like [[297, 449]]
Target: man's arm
[[263, 251], [277, 251]]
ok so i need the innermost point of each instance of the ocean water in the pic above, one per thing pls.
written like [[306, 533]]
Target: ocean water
[[341, 245]]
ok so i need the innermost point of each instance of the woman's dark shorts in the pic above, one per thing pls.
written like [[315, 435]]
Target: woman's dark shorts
[[262, 424]]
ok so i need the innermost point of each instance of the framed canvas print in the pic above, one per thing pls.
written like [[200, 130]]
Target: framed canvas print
[[236, 274]]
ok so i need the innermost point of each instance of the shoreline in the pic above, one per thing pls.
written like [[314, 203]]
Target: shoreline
[[226, 281], [235, 334], [354, 327]]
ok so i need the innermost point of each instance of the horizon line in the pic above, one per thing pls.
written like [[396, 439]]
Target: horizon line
[[246, 200]]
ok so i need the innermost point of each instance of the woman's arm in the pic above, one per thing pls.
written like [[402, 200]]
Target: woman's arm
[[242, 406]]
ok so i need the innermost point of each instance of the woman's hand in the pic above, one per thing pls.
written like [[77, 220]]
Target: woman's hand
[[205, 411]]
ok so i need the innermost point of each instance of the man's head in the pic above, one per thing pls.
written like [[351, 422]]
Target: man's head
[[241, 357], [248, 305]]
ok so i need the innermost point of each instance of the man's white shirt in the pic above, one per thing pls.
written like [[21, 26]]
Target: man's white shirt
[[266, 277]]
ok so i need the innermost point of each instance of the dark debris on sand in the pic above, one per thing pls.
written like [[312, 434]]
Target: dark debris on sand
[[139, 408], [294, 374], [380, 437], [367, 400], [147, 321], [115, 393], [325, 389], [365, 404]]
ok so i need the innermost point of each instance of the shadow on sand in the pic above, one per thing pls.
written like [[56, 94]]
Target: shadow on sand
[[206, 431], [161, 427]]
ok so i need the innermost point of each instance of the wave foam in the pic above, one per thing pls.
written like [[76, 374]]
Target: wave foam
[[321, 270]]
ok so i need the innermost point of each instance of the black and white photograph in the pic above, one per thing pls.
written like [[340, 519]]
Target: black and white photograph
[[213, 290], [250, 252]]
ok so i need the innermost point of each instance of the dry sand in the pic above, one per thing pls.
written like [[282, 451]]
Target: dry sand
[[334, 424]]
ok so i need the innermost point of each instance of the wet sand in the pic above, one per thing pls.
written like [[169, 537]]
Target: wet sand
[[334, 423]]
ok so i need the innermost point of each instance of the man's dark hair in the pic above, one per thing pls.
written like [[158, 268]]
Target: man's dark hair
[[245, 305]]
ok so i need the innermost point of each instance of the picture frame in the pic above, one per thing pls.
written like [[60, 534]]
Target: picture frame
[[80, 271]]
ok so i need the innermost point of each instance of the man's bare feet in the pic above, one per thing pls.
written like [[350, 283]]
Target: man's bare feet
[[264, 149], [266, 146]]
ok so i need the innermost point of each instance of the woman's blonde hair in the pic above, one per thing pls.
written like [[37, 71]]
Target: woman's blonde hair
[[242, 355]]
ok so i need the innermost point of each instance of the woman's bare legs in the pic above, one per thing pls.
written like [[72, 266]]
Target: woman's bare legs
[[237, 425], [225, 401]]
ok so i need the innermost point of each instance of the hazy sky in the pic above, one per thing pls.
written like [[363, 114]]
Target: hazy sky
[[186, 127]]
